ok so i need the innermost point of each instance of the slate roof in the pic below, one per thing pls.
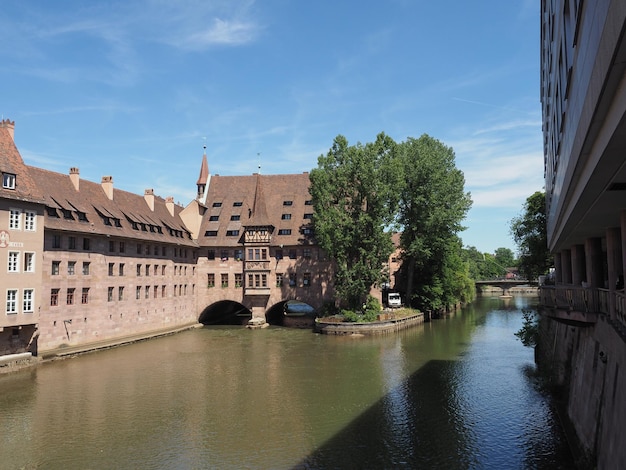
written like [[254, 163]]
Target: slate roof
[[89, 210], [259, 200], [11, 162]]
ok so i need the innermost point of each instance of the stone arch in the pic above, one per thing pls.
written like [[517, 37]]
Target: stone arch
[[225, 312], [290, 313]]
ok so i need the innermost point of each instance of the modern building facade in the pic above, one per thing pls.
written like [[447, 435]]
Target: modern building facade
[[85, 263], [583, 96]]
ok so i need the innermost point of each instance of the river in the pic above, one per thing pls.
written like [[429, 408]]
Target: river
[[455, 393]]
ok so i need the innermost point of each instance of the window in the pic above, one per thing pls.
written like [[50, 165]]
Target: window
[[284, 231], [224, 255], [71, 268], [110, 294], [84, 299], [163, 291], [306, 280], [279, 254], [286, 217], [287, 203], [292, 254], [308, 202], [15, 216], [214, 218], [156, 250], [71, 243], [155, 291], [210, 233], [308, 216], [232, 233], [27, 301], [55, 268], [86, 244], [14, 261], [210, 254], [56, 241], [279, 279], [85, 268], [235, 217], [238, 255], [11, 301], [306, 252], [8, 180], [139, 248], [147, 292], [147, 269], [67, 214], [238, 279], [29, 262], [217, 204], [111, 246], [139, 270], [210, 282], [224, 280], [163, 252], [122, 247], [138, 292], [163, 270], [30, 218], [237, 204], [54, 297], [111, 268], [52, 212], [307, 231], [292, 281], [70, 296], [156, 269], [121, 269], [120, 292]]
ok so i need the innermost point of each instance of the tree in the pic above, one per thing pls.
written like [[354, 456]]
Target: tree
[[432, 205], [530, 236], [353, 192], [504, 257]]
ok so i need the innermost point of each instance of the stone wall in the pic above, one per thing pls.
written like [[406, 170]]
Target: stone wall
[[586, 367]]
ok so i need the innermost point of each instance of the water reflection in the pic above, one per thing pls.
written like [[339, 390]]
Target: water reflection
[[455, 393]]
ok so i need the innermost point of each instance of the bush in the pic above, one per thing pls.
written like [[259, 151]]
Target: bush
[[530, 329]]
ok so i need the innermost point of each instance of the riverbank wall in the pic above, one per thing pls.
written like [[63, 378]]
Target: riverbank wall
[[387, 325], [586, 368]]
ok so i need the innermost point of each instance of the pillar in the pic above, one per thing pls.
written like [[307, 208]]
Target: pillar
[[558, 276], [579, 270], [614, 255], [594, 262], [566, 266]]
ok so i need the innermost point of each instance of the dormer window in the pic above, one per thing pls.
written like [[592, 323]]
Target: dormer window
[[287, 203], [8, 180]]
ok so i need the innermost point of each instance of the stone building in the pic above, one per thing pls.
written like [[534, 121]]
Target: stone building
[[87, 263]]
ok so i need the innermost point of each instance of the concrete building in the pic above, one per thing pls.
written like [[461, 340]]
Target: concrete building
[[583, 96]]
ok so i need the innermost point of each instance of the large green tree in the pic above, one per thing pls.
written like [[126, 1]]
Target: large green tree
[[530, 235], [354, 194], [433, 203]]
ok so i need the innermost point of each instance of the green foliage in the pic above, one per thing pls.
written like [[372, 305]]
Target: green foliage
[[368, 313], [530, 235], [433, 204], [354, 197], [530, 330]]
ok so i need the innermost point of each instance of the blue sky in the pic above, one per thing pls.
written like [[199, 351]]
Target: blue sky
[[134, 89]]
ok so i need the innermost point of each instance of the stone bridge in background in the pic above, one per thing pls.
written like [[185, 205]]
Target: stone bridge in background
[[506, 284]]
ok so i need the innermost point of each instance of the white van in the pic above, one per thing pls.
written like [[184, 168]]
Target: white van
[[394, 300]]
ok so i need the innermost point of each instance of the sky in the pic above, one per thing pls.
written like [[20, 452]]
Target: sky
[[136, 89]]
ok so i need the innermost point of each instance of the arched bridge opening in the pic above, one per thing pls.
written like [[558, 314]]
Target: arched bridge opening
[[225, 312], [290, 313]]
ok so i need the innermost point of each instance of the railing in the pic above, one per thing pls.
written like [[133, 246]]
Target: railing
[[586, 300]]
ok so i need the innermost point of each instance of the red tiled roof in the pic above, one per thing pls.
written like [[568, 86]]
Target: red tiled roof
[[11, 162], [277, 195], [91, 200]]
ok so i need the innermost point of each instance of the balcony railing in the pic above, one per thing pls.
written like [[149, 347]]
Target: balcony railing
[[581, 300]]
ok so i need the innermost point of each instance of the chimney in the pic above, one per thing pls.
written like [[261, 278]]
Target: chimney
[[107, 186], [148, 195], [169, 203], [75, 177], [10, 126]]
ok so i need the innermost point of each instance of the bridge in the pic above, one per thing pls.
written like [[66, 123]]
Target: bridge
[[506, 284]]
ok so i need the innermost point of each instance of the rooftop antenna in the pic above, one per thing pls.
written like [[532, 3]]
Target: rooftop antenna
[[258, 154], [204, 146]]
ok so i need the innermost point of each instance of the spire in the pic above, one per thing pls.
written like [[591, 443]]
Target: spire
[[204, 178], [258, 216]]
